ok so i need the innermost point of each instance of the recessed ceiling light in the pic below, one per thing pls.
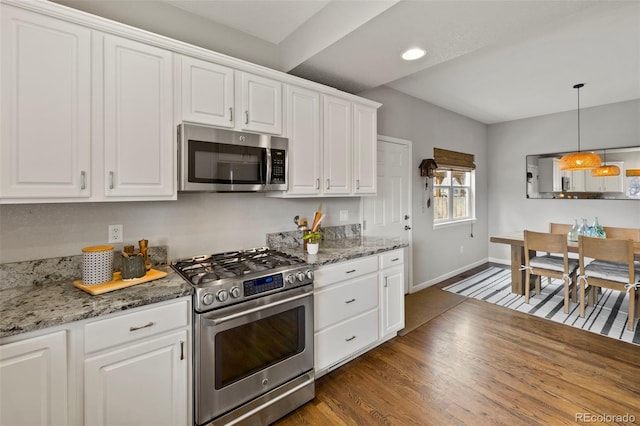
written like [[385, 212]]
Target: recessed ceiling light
[[413, 54]]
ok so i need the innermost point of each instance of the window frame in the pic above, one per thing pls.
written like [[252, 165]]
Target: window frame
[[471, 187]]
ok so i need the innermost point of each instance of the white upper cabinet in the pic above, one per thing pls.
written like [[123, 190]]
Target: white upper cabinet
[[303, 123], [365, 131], [139, 158], [207, 93], [608, 183], [259, 101], [337, 145], [46, 107]]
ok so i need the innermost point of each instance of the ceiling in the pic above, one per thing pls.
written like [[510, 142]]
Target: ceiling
[[493, 61]]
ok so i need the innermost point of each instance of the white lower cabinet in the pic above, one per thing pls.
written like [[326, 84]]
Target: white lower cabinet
[[358, 305], [33, 381], [133, 368]]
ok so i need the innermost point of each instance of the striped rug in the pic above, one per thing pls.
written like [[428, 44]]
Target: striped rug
[[609, 317]]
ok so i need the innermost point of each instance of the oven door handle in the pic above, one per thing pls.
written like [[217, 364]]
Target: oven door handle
[[217, 321]]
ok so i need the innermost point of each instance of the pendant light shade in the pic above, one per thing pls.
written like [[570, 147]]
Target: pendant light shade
[[605, 170], [579, 160]]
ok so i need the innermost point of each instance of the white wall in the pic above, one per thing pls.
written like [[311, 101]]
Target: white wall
[[436, 253], [194, 224], [169, 21], [609, 126]]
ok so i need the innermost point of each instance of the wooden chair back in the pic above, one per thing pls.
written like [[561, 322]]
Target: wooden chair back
[[623, 233], [608, 249], [543, 241], [559, 228]]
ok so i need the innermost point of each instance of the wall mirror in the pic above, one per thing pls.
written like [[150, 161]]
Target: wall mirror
[[546, 180]]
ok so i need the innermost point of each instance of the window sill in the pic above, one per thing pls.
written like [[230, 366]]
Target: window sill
[[452, 223]]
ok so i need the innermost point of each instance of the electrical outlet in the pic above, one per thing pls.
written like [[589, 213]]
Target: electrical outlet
[[115, 234], [344, 215]]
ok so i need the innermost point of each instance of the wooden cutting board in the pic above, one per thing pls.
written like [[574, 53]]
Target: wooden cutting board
[[117, 283]]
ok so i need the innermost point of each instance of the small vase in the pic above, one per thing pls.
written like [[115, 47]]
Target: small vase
[[312, 248], [572, 236], [598, 230], [583, 229]]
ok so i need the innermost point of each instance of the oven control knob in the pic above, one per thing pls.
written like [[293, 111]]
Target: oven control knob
[[309, 274], [235, 292], [291, 279], [207, 299], [300, 276], [222, 295]]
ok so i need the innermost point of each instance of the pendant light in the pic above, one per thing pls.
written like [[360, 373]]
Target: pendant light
[[605, 170], [579, 160]]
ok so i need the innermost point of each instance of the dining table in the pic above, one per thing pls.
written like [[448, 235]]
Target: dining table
[[515, 239]]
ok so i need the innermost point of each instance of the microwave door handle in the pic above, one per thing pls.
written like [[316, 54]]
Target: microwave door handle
[[218, 321], [269, 167]]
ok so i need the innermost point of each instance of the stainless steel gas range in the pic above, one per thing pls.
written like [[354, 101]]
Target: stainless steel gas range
[[253, 335]]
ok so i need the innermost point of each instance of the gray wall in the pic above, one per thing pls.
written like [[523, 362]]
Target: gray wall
[[194, 224], [609, 126], [164, 19], [436, 252]]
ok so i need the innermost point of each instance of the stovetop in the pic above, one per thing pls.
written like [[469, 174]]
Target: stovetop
[[232, 277]]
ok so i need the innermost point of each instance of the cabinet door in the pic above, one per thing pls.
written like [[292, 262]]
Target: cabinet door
[[614, 183], [392, 300], [260, 104], [304, 140], [142, 384], [207, 93], [576, 180], [138, 116], [46, 107], [33, 381], [365, 137], [337, 145]]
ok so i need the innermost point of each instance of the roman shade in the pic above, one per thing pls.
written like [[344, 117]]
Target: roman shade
[[453, 160]]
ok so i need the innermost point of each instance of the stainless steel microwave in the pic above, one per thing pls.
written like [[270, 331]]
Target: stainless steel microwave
[[219, 160]]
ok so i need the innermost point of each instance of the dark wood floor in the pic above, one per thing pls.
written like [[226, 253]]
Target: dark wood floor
[[478, 363]]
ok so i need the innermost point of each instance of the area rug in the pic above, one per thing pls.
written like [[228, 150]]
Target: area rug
[[424, 305], [608, 317]]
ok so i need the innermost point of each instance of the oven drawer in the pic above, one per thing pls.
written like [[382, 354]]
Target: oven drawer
[[391, 258], [344, 271], [341, 301], [338, 342], [135, 325]]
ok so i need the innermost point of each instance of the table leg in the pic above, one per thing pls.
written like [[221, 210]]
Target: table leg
[[517, 275]]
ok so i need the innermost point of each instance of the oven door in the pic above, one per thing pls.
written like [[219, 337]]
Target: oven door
[[246, 350]]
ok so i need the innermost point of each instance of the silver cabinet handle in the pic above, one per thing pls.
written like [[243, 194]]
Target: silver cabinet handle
[[395, 259], [149, 324], [181, 350], [317, 183], [350, 301], [350, 272], [246, 117], [110, 180], [350, 339], [386, 283], [83, 179], [357, 183], [328, 184], [230, 114]]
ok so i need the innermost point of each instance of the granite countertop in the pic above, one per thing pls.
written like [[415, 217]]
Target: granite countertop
[[340, 250], [33, 307]]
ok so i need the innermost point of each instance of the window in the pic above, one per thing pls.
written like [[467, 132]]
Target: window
[[453, 193]]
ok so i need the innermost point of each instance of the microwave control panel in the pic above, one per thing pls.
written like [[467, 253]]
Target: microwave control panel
[[278, 171]]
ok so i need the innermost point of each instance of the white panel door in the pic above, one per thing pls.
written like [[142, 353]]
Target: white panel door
[[337, 145], [33, 381], [260, 104], [142, 384], [364, 149], [207, 92], [138, 120], [304, 141], [46, 107], [392, 300]]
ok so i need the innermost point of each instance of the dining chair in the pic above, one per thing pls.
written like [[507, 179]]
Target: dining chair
[[549, 264], [560, 228], [622, 233], [611, 266]]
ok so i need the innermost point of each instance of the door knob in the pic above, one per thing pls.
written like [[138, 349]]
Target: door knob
[[407, 227]]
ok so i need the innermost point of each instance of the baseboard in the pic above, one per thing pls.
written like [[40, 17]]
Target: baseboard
[[443, 277], [501, 261]]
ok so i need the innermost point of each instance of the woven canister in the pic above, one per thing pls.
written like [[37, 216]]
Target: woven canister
[[97, 265]]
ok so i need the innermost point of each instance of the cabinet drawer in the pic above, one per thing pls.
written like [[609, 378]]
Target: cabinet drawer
[[344, 271], [392, 258], [341, 301], [135, 325], [347, 338]]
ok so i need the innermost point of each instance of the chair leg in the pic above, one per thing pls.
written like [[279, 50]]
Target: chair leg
[[574, 288], [582, 291], [632, 309], [527, 286], [538, 281], [567, 284]]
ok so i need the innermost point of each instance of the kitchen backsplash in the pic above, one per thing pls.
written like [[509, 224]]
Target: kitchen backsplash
[[69, 268], [294, 238]]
